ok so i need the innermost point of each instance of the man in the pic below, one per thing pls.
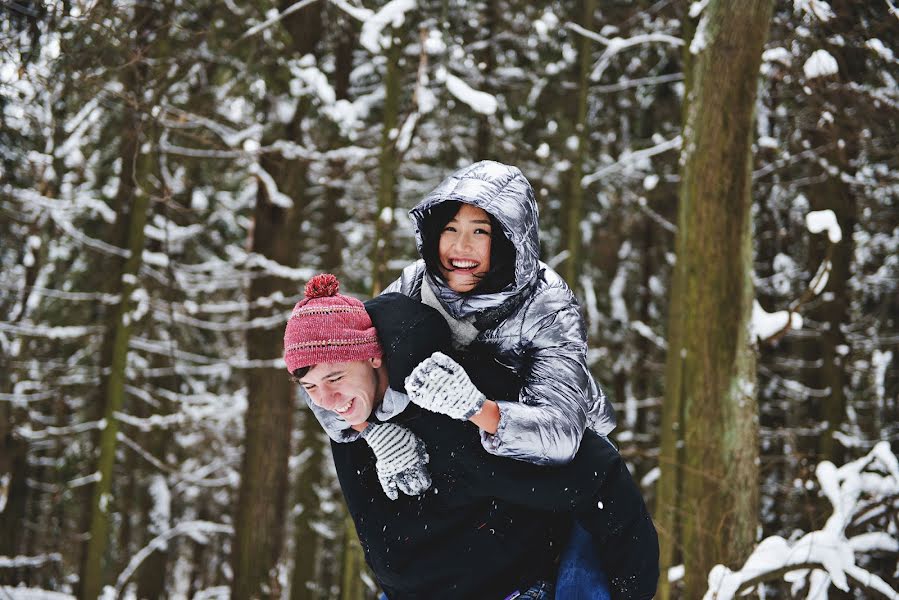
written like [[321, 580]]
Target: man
[[487, 527]]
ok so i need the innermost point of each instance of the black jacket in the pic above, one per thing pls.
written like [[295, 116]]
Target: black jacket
[[488, 525]]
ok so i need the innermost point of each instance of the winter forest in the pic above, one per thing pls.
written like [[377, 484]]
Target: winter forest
[[717, 181]]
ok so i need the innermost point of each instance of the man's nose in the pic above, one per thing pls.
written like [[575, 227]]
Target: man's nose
[[332, 398]]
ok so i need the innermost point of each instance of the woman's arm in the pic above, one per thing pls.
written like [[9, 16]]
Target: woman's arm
[[488, 418], [546, 425]]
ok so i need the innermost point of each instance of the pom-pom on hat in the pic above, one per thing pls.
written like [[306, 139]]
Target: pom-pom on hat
[[328, 327]]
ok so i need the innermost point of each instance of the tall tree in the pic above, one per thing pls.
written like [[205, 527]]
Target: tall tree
[[710, 371], [262, 497], [574, 199], [131, 203]]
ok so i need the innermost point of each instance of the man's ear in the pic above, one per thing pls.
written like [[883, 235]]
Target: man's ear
[[376, 362]]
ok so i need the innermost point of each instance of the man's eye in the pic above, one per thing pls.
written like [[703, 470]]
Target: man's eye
[[335, 379]]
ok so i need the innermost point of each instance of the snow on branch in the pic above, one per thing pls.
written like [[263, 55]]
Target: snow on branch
[[770, 327], [817, 8], [393, 14], [893, 10], [271, 267], [824, 220], [275, 196], [480, 102], [26, 398], [617, 44], [232, 137], [196, 477], [196, 530], [628, 159], [18, 562], [270, 322], [28, 433], [820, 64], [277, 17], [64, 295], [828, 557], [52, 333], [765, 325]]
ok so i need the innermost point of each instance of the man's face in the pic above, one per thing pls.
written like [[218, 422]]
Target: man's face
[[348, 389]]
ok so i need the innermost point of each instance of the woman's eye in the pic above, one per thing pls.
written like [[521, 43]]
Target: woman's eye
[[482, 231], [448, 228]]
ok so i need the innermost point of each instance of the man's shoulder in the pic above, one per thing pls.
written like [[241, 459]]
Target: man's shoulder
[[409, 332]]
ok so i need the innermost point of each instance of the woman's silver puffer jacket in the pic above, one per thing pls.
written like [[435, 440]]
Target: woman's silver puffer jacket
[[543, 337]]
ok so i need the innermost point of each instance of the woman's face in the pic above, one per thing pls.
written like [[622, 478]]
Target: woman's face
[[464, 248]]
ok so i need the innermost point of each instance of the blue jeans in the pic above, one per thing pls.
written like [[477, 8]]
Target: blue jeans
[[580, 573]]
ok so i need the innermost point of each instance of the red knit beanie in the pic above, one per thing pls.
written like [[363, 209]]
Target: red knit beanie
[[328, 327]]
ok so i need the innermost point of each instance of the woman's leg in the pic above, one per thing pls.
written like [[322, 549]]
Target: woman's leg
[[580, 573]]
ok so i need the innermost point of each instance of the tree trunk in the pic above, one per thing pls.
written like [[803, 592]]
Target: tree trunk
[[388, 164], [710, 370], [306, 541], [351, 587], [133, 210], [575, 200], [259, 523], [484, 137]]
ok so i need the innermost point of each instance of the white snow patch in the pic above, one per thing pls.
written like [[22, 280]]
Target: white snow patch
[[392, 14], [480, 102], [878, 47], [696, 8], [851, 489], [434, 43], [161, 512], [778, 54], [764, 324], [824, 220], [542, 150], [820, 64], [275, 195], [699, 41], [817, 8], [650, 478], [4, 490], [650, 182]]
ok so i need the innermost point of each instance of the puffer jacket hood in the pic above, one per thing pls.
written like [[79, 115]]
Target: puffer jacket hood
[[504, 192]]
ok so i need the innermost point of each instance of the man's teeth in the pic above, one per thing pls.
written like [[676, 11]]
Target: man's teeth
[[464, 264], [344, 408]]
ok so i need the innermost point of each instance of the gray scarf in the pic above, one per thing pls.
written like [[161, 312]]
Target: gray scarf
[[462, 330]]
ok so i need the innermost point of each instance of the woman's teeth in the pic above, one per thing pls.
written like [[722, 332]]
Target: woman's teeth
[[463, 264]]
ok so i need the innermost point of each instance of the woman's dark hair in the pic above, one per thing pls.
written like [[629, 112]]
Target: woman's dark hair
[[502, 252]]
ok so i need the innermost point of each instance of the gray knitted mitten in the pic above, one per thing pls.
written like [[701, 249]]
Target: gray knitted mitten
[[400, 459], [440, 384]]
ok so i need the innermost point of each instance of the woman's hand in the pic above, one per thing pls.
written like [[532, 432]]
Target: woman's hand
[[440, 384]]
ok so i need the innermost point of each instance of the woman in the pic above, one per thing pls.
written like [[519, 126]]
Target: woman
[[478, 237]]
